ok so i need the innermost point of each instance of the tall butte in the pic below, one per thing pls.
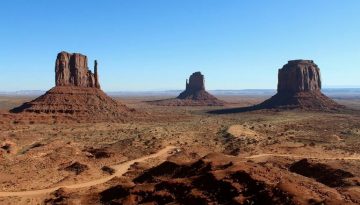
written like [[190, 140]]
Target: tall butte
[[76, 94], [194, 94], [299, 86], [195, 88]]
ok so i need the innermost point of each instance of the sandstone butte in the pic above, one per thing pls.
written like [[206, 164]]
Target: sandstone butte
[[72, 70], [299, 86], [76, 95], [193, 95]]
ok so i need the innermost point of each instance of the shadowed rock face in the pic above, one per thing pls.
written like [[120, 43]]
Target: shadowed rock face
[[194, 95], [299, 86], [196, 82], [72, 70], [195, 89], [299, 76]]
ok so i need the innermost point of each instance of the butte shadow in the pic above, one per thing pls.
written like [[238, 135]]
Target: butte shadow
[[76, 95], [194, 95], [299, 87]]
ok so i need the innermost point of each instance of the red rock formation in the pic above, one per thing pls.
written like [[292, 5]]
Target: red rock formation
[[299, 76], [72, 70], [195, 88], [299, 86], [77, 94], [219, 179], [196, 82], [194, 94]]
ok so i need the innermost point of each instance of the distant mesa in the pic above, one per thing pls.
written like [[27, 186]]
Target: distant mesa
[[194, 86], [299, 87], [299, 76], [194, 94], [77, 93]]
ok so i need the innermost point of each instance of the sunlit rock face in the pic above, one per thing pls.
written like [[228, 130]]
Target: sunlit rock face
[[76, 96], [71, 69], [299, 86], [299, 76]]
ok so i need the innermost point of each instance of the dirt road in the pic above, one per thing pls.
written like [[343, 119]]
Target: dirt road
[[120, 170], [162, 155]]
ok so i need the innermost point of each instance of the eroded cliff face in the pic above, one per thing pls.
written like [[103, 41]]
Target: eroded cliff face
[[196, 93], [299, 86], [193, 95], [196, 82], [195, 88], [72, 70], [299, 76], [77, 95]]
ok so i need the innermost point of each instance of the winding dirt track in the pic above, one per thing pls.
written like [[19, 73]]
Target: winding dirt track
[[120, 170], [162, 155]]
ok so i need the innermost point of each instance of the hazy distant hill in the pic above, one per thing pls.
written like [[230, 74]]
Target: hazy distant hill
[[22, 93], [332, 92]]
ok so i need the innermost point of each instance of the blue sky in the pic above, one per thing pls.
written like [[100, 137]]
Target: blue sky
[[156, 44]]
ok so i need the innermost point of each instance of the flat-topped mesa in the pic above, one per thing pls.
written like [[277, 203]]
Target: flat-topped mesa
[[299, 86], [71, 69], [299, 76], [196, 82]]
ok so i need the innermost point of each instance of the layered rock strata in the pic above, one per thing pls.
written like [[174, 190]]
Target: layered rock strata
[[299, 86], [77, 94], [72, 70]]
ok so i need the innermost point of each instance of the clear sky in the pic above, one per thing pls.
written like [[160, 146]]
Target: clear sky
[[156, 44]]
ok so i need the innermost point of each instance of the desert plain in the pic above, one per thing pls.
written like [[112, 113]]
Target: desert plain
[[313, 157]]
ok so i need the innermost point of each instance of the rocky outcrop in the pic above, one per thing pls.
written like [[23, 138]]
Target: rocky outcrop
[[72, 70], [299, 86], [196, 82], [82, 102], [299, 76], [195, 85], [77, 94], [218, 179], [194, 94]]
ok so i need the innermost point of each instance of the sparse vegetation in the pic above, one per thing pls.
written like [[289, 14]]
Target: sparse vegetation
[[44, 149]]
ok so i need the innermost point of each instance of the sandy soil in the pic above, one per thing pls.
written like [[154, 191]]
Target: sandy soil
[[36, 156]]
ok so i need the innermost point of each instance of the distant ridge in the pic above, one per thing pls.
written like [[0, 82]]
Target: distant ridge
[[332, 92], [23, 93]]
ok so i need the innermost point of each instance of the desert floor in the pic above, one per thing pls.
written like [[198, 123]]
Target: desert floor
[[38, 158]]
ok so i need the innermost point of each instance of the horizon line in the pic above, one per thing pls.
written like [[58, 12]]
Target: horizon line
[[175, 90]]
